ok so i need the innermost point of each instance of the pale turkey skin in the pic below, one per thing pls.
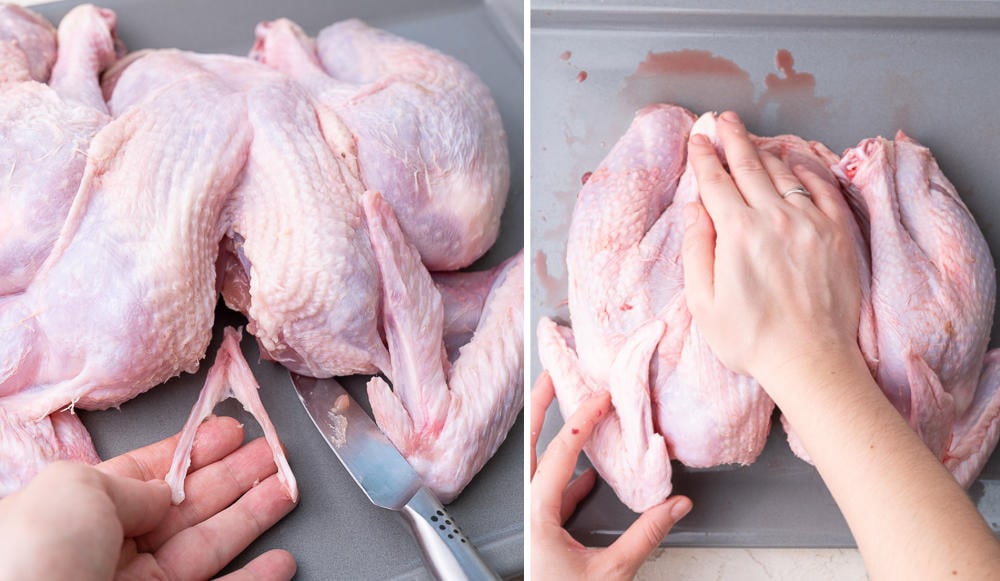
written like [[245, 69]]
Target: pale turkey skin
[[45, 132], [632, 332], [428, 135], [933, 294], [463, 297], [133, 270], [27, 45], [296, 258], [446, 419]]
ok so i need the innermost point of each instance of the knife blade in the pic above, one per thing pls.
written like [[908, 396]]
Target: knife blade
[[388, 480]]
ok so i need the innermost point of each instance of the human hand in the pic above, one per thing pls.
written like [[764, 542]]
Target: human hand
[[115, 519], [768, 280], [554, 553]]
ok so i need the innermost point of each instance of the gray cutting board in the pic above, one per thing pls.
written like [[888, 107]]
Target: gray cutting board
[[932, 72], [335, 532]]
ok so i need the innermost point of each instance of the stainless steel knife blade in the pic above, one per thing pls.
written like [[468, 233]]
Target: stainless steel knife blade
[[388, 480], [371, 459]]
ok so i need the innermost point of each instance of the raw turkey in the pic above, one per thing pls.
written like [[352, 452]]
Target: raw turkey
[[446, 419], [27, 45], [44, 135], [126, 299], [632, 332], [427, 134], [927, 298], [203, 174], [296, 257], [933, 291]]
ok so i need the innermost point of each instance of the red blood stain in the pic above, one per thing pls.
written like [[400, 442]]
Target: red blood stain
[[581, 77], [575, 431], [626, 307], [792, 80], [701, 62], [566, 55], [585, 177]]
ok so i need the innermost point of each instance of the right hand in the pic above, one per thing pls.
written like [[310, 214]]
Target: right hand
[[769, 281], [554, 553]]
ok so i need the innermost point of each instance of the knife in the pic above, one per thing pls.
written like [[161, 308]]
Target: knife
[[388, 480]]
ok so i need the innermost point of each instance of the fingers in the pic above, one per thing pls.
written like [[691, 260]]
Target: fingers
[[826, 197], [784, 180], [647, 532], [276, 564], [541, 398], [745, 165], [698, 257], [212, 489], [577, 491], [217, 437], [203, 550], [556, 466], [718, 192]]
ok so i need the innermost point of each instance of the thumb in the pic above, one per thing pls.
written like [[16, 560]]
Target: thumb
[[140, 505], [646, 533], [698, 253]]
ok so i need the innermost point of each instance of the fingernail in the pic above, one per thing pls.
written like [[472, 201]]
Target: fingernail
[[730, 116], [700, 139], [680, 510], [690, 215]]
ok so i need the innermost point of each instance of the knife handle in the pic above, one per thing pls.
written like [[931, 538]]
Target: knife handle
[[447, 552]]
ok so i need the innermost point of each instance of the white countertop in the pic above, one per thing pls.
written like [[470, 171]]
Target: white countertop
[[690, 564]]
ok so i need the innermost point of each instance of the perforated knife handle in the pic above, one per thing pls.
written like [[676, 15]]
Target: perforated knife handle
[[447, 552]]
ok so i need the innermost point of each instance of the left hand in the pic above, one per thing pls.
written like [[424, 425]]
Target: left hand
[[115, 520], [554, 553]]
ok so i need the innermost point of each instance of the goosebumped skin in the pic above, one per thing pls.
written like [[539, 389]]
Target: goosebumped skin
[[933, 291], [626, 278], [426, 131], [27, 45], [126, 299], [447, 420], [44, 135], [637, 469], [27, 445], [312, 298]]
